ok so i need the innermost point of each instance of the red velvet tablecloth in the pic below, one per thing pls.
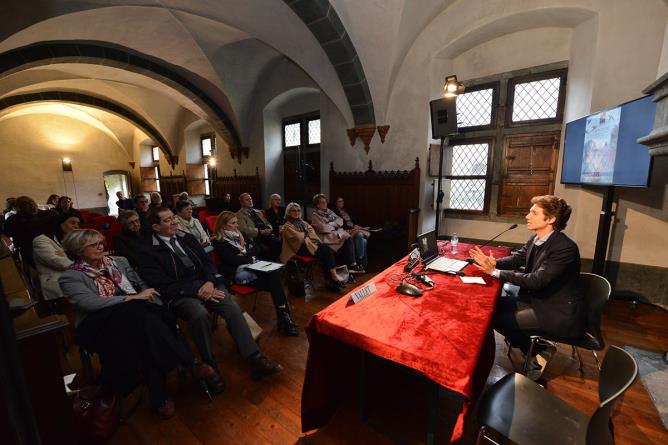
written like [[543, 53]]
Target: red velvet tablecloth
[[445, 335]]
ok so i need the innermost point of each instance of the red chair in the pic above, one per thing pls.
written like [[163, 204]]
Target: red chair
[[200, 209], [211, 222], [99, 220], [205, 214]]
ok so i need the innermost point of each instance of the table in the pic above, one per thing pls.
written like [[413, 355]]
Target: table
[[445, 335]]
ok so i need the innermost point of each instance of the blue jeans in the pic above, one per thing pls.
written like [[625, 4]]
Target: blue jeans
[[360, 248]]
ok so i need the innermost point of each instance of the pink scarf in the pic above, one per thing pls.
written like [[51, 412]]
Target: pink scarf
[[107, 279]]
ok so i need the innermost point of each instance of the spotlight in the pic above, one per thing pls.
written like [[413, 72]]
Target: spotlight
[[452, 87]]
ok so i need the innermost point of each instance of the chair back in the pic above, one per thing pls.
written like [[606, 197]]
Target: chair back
[[211, 222], [596, 290], [618, 372]]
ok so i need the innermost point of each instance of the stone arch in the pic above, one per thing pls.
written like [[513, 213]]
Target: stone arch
[[104, 53]]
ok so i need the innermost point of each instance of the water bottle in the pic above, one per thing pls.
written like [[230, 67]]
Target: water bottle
[[454, 240]]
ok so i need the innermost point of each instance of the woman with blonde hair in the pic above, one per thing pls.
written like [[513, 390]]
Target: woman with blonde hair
[[234, 254], [299, 238], [330, 228], [123, 321]]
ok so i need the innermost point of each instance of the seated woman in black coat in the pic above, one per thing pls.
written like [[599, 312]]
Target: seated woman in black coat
[[124, 322], [234, 253], [276, 213]]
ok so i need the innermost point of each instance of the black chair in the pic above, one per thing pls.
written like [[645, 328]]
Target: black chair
[[596, 291], [526, 413]]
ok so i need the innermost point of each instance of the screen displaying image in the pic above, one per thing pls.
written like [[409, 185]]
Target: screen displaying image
[[602, 148]]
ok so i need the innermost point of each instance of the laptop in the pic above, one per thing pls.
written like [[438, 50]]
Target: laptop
[[428, 247]]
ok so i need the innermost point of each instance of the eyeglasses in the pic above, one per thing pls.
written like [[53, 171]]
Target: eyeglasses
[[97, 244], [168, 220], [295, 210]]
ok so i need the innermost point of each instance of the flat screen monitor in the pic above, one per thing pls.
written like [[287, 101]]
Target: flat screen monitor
[[601, 149]]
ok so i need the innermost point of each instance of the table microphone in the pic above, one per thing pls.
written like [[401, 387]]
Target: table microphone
[[514, 226]]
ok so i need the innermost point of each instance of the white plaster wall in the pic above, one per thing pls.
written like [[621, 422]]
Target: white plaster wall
[[32, 148]]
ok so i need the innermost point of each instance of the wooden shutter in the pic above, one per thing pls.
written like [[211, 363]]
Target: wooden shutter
[[529, 167]]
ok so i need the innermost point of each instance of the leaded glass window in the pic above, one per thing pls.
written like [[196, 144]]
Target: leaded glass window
[[314, 131], [468, 176], [474, 109], [536, 100], [292, 135]]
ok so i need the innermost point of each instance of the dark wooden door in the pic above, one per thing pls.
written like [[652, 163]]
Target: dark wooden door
[[529, 168], [301, 170]]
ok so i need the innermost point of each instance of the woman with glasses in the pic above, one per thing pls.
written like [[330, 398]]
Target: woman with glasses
[[50, 258], [234, 253], [123, 321], [299, 238], [132, 238]]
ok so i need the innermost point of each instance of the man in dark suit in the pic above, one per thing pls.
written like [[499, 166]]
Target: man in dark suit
[[549, 299], [176, 265]]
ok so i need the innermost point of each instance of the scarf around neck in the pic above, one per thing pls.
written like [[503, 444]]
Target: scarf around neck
[[327, 214], [107, 279], [235, 238]]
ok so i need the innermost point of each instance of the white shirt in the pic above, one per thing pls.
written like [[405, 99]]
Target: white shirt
[[167, 241]]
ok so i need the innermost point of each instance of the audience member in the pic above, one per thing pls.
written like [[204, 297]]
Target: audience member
[[329, 227], [234, 254], [52, 202], [50, 258], [26, 225], [132, 239], [358, 234], [184, 196], [276, 213], [257, 230], [177, 266], [299, 238], [10, 208], [141, 207], [550, 299], [124, 322], [227, 203], [65, 205], [190, 224], [156, 201], [123, 203]]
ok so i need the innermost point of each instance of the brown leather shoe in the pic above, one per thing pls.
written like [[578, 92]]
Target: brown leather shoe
[[166, 410], [202, 370], [215, 383], [262, 367]]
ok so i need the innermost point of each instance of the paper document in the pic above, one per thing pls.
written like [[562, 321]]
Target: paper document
[[473, 280], [264, 266]]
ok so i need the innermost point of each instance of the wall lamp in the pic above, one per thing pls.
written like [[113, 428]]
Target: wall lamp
[[212, 162], [452, 87], [67, 165]]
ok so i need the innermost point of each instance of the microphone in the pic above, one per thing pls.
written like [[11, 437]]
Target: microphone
[[514, 226]]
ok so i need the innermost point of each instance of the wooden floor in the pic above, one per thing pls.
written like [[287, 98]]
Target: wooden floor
[[268, 412]]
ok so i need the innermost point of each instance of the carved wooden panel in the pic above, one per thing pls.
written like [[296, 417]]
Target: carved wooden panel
[[529, 166], [235, 186], [383, 199], [148, 179], [195, 175], [171, 186]]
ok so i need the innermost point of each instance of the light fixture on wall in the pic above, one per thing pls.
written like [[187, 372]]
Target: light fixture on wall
[[212, 162], [452, 87], [443, 125], [67, 164]]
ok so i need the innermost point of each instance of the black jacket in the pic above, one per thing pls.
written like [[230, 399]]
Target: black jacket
[[230, 258], [551, 283], [276, 220], [130, 246], [163, 270]]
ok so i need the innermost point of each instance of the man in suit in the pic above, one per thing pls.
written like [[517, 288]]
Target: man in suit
[[257, 230], [549, 300], [176, 265]]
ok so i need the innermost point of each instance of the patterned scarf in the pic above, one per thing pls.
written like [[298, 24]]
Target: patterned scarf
[[327, 214], [235, 238], [107, 279], [300, 225]]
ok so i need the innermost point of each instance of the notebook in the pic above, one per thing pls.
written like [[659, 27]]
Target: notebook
[[428, 248]]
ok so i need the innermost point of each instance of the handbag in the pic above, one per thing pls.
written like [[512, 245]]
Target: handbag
[[96, 414]]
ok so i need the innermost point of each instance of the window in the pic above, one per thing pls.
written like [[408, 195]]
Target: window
[[157, 178], [155, 152], [314, 131], [208, 144], [468, 171], [475, 108], [536, 98], [508, 142], [207, 186], [292, 134]]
